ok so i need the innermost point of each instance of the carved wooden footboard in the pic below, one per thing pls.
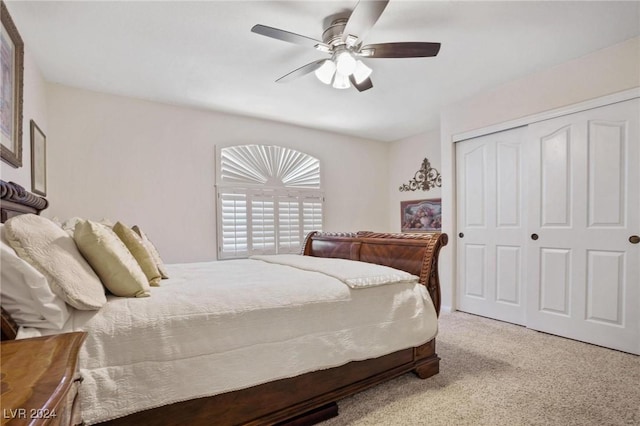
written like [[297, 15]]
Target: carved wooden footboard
[[414, 253]]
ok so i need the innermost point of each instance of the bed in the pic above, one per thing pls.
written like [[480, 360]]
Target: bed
[[303, 394]]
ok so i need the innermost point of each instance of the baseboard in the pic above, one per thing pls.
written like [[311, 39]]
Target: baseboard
[[446, 309]]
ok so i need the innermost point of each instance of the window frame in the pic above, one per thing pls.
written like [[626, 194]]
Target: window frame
[[267, 192]]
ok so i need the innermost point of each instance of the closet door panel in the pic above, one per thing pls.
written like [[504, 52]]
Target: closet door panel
[[474, 173], [491, 225], [508, 272], [555, 178], [605, 286], [584, 186], [475, 271], [508, 185], [606, 192], [555, 281]]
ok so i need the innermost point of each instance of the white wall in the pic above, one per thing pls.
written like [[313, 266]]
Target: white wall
[[405, 159], [34, 108], [152, 164], [603, 72]]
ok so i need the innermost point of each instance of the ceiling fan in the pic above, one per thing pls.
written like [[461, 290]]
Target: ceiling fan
[[343, 41]]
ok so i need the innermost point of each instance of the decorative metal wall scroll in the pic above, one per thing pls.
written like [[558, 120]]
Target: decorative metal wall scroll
[[425, 179]]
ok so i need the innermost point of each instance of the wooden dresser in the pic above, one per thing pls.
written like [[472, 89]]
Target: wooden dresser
[[40, 380]]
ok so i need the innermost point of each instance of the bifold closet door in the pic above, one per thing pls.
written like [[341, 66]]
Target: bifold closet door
[[584, 195], [491, 225]]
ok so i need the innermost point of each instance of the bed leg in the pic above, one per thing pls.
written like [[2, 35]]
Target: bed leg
[[427, 367], [426, 361], [312, 417]]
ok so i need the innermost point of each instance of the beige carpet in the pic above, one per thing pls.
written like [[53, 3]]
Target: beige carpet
[[494, 373]]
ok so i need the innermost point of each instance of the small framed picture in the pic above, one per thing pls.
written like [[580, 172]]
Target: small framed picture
[[421, 215], [38, 160]]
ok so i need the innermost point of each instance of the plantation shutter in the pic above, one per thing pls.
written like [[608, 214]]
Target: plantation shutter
[[263, 225], [234, 224], [311, 216], [269, 198], [289, 238]]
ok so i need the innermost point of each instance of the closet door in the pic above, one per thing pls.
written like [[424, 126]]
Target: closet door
[[584, 190], [491, 226]]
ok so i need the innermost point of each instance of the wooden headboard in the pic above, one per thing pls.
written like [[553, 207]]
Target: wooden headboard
[[15, 200], [413, 253]]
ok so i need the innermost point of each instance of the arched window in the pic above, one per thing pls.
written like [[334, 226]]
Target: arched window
[[269, 198]]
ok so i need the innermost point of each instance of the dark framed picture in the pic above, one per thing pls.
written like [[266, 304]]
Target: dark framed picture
[[38, 160], [421, 215], [12, 70]]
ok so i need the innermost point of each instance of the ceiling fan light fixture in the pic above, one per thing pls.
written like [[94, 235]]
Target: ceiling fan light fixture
[[341, 81], [362, 72], [343, 40], [326, 71], [351, 40], [345, 63]]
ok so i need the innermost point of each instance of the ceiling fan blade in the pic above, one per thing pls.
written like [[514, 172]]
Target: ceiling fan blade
[[303, 70], [289, 37], [365, 14], [400, 50], [364, 85]]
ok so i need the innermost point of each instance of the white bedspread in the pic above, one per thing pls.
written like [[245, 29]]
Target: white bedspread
[[202, 331], [353, 274]]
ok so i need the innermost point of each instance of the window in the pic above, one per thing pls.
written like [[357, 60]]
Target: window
[[269, 198]]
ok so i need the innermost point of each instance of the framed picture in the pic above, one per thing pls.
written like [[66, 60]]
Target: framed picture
[[38, 160], [421, 215], [12, 70]]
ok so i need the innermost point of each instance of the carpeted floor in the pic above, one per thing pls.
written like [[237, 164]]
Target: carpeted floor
[[495, 373]]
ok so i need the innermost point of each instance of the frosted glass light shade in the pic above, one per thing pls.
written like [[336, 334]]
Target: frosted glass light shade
[[326, 71], [345, 63], [362, 72], [341, 81]]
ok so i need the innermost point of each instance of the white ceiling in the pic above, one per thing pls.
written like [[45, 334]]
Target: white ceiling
[[203, 54]]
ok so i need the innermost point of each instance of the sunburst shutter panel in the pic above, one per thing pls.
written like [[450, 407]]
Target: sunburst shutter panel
[[272, 166]]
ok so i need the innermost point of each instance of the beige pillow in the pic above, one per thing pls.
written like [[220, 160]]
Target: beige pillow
[[153, 250], [50, 250], [111, 259], [138, 249]]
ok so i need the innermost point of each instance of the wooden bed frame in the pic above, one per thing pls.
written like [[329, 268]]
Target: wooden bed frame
[[311, 397]]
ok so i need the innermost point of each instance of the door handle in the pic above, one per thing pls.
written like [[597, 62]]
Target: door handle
[[634, 239], [461, 235], [534, 237]]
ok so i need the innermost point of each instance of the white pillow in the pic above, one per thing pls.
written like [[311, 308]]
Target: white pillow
[[54, 254], [26, 294]]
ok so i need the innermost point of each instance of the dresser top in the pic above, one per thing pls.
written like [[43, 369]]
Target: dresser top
[[36, 373]]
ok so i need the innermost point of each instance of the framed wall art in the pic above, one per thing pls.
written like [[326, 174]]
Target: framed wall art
[[421, 215], [38, 160], [12, 70]]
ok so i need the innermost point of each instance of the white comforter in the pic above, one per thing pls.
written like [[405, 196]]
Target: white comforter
[[203, 330]]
